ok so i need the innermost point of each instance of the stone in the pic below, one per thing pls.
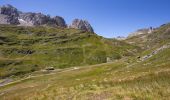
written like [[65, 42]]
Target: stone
[[82, 25], [9, 10], [9, 15], [49, 68], [142, 32], [59, 21], [34, 18]]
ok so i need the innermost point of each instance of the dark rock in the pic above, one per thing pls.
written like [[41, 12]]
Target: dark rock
[[26, 51], [81, 24], [59, 21], [9, 10], [50, 68], [138, 57]]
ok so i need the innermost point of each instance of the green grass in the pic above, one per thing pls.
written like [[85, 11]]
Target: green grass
[[116, 80], [27, 49], [124, 78]]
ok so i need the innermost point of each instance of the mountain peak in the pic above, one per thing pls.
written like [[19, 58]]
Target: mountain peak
[[81, 24], [11, 15]]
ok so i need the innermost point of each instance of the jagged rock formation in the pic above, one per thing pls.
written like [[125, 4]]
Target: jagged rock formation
[[33, 18], [30, 19], [59, 21], [81, 24], [9, 10], [10, 15]]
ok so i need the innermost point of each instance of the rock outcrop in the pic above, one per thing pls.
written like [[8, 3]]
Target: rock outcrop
[[59, 21], [82, 25], [9, 10], [10, 15], [142, 31], [33, 18], [155, 52]]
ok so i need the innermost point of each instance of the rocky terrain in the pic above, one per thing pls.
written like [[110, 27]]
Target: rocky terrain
[[81, 24], [142, 31], [11, 15]]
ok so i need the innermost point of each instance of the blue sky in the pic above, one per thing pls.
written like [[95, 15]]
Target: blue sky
[[109, 18]]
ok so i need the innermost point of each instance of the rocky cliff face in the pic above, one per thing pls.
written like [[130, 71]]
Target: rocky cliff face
[[10, 15], [30, 19], [59, 21], [81, 24], [5, 19], [9, 10], [33, 18]]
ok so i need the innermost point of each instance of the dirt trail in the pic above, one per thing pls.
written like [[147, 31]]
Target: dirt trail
[[5, 81], [10, 81]]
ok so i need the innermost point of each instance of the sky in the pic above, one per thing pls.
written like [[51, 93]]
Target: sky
[[109, 18]]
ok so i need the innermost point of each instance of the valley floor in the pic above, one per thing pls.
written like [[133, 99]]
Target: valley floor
[[120, 80]]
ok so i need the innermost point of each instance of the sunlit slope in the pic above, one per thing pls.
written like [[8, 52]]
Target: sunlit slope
[[158, 37], [149, 79], [27, 49]]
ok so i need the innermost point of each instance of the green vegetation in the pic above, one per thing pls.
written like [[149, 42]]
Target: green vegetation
[[117, 80], [28, 49], [125, 77]]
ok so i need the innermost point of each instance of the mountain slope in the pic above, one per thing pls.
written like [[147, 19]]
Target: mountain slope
[[147, 79], [138, 74], [158, 37], [27, 49]]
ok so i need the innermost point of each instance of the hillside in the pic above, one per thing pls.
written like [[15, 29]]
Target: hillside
[[158, 37], [28, 49], [142, 80], [136, 74]]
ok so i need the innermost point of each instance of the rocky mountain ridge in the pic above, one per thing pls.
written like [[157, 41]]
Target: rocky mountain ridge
[[142, 31], [11, 15]]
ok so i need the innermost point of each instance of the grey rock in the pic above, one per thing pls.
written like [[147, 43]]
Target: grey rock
[[59, 21], [34, 18], [4, 19], [9, 10], [142, 32], [9, 15], [82, 25]]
